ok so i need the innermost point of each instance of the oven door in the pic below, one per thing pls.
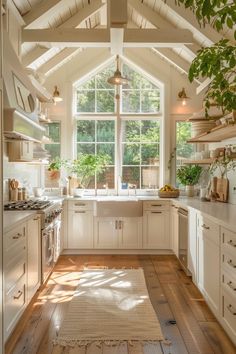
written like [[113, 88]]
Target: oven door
[[47, 251], [57, 239]]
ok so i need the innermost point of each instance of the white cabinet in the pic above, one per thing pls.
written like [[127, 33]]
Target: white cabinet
[[156, 225], [34, 256], [106, 233], [174, 232], [228, 278], [118, 233], [208, 234], [80, 229], [130, 233], [20, 151], [192, 243], [15, 276]]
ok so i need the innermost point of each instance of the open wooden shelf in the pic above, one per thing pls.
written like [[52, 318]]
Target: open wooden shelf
[[198, 162], [217, 134]]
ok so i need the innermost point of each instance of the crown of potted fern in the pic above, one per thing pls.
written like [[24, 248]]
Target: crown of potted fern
[[189, 176]]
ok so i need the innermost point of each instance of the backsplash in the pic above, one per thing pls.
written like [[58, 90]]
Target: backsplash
[[28, 175]]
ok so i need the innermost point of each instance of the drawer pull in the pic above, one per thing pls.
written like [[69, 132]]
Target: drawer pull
[[80, 212], [231, 243], [231, 264], [120, 225], [158, 205], [231, 285], [116, 224], [231, 310], [17, 236], [20, 293], [156, 212], [80, 204], [205, 227]]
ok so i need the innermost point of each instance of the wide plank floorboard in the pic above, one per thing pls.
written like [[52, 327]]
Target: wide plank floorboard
[[187, 323]]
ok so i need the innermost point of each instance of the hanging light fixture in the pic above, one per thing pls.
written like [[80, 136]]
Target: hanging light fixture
[[117, 78], [183, 96], [56, 95]]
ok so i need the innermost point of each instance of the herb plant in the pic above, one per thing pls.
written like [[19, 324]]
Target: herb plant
[[189, 175]]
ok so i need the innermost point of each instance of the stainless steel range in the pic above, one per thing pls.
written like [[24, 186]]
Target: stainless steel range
[[50, 214]]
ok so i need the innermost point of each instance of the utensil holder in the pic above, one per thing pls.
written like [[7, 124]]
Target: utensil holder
[[14, 195]]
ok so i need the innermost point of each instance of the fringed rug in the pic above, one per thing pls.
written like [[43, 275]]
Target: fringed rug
[[110, 306]]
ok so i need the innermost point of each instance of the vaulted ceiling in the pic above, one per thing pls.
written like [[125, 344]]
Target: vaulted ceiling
[[54, 30]]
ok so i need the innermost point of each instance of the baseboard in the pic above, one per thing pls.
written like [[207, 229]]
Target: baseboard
[[110, 251]]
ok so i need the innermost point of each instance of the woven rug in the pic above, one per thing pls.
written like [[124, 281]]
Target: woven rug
[[110, 306]]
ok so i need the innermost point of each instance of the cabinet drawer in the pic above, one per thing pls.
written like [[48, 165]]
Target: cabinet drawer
[[14, 272], [229, 312], [229, 241], [156, 205], [15, 302], [80, 205], [15, 238], [229, 283], [208, 228], [229, 263]]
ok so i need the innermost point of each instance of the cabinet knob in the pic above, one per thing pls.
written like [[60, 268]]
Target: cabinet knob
[[231, 285], [17, 236], [231, 310], [231, 264], [231, 243], [205, 227]]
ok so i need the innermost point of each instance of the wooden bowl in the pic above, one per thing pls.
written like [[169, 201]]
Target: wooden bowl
[[168, 194]]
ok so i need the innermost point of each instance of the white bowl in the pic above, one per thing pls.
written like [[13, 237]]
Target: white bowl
[[78, 192]]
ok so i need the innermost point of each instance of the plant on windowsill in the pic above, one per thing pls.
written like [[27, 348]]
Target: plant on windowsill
[[55, 166], [85, 167], [189, 176]]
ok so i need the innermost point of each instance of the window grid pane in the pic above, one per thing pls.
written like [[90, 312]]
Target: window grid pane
[[54, 133]]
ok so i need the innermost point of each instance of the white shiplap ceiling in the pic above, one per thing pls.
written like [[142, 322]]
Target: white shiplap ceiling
[[146, 14]]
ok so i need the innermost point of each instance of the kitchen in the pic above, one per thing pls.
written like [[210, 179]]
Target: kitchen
[[89, 165]]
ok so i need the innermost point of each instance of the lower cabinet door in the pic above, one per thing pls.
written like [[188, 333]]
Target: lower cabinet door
[[80, 229], [106, 232], [209, 271], [130, 233], [156, 230]]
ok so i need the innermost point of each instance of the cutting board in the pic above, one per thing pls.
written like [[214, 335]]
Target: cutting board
[[222, 189]]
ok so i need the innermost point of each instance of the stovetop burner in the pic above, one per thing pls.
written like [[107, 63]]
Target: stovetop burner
[[27, 205]]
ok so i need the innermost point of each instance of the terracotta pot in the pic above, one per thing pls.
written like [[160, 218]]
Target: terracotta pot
[[189, 191]]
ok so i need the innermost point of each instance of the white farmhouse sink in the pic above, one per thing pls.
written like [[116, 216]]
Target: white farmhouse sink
[[119, 208]]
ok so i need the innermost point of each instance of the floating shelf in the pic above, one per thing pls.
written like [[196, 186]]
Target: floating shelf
[[215, 135], [198, 162]]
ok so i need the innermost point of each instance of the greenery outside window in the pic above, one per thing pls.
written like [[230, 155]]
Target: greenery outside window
[[141, 153], [184, 150], [98, 137], [96, 95], [54, 134]]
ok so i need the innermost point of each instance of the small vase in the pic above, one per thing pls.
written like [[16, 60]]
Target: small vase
[[189, 191]]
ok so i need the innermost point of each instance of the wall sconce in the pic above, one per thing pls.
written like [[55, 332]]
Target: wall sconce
[[182, 96], [56, 95]]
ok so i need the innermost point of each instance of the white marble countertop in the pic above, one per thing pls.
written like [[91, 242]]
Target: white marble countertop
[[12, 218]]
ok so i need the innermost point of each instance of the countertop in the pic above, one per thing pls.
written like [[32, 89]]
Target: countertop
[[12, 218], [223, 213]]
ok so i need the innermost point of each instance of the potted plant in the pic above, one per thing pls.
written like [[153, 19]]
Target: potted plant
[[54, 168], [189, 175], [85, 167]]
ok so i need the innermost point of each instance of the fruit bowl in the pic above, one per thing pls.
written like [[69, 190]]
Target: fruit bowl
[[168, 192]]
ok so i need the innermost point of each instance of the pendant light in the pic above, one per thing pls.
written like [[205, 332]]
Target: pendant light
[[117, 78]]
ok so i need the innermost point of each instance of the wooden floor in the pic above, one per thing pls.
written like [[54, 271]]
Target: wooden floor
[[185, 319]]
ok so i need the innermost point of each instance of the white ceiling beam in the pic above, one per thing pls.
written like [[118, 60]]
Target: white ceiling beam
[[187, 15], [33, 55], [73, 21], [40, 10], [116, 40], [203, 85], [174, 59], [101, 37], [159, 22], [118, 13], [58, 59], [83, 14]]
